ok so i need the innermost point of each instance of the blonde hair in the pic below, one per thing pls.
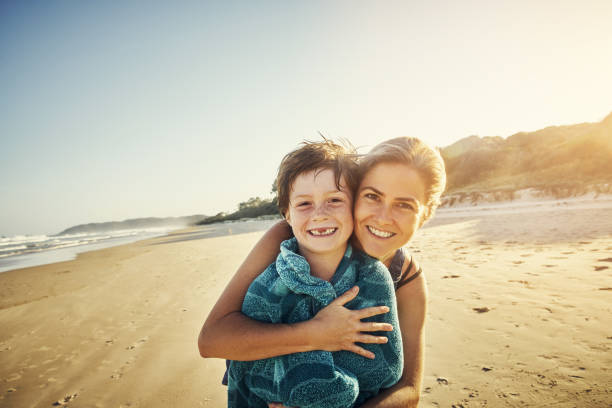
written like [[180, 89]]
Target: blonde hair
[[425, 160]]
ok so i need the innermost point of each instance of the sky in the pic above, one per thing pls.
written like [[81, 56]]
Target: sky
[[116, 110]]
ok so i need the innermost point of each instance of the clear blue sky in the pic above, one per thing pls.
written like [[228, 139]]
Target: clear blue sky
[[115, 110]]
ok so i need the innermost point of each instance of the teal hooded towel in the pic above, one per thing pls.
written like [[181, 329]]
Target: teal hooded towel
[[286, 293]]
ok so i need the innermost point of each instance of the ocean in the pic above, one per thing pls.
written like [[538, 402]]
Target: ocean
[[23, 251]]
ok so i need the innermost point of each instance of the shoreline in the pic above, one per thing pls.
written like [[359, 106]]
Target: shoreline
[[47, 257]]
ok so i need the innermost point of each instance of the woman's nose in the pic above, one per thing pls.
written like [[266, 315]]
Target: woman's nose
[[384, 214]]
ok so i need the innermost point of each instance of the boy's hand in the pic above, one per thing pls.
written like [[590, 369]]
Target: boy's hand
[[337, 328]]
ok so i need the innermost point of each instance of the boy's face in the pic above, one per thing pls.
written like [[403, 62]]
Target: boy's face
[[320, 214]]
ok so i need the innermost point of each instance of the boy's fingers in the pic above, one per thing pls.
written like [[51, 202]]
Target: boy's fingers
[[347, 296], [372, 311]]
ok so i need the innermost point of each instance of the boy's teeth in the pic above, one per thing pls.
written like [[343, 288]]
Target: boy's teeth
[[320, 232], [379, 233]]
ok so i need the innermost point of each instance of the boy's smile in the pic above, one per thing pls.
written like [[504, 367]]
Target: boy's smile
[[321, 232], [320, 214]]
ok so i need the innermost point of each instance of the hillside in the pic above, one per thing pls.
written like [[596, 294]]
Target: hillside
[[556, 155], [135, 223]]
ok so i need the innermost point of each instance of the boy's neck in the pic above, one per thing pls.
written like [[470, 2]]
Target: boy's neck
[[323, 265]]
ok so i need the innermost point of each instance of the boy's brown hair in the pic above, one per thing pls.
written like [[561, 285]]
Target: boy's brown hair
[[316, 156]]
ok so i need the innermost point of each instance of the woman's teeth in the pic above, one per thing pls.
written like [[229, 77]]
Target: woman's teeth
[[379, 233], [322, 231]]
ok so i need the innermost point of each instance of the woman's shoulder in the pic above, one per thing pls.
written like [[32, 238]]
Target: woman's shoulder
[[410, 269]]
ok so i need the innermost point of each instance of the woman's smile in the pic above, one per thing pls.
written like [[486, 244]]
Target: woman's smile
[[379, 233]]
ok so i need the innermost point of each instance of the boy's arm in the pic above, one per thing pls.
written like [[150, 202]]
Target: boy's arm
[[227, 333]]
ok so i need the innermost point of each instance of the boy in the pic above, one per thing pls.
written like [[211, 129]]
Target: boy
[[315, 185]]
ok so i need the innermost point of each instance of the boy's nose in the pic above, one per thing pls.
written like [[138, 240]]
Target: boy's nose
[[320, 212]]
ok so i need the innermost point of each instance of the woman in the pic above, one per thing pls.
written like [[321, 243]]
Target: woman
[[401, 183]]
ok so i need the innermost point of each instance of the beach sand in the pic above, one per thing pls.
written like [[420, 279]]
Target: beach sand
[[518, 316]]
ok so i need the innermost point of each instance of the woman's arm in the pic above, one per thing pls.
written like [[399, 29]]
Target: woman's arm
[[227, 333], [411, 305]]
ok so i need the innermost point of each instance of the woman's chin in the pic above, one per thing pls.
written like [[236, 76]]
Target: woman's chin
[[375, 250]]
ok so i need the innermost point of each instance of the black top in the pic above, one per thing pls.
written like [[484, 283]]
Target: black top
[[395, 269]]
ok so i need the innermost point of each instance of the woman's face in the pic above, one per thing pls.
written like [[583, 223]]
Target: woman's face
[[388, 209]]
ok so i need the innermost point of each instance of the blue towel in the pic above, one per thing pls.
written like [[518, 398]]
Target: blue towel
[[286, 293]]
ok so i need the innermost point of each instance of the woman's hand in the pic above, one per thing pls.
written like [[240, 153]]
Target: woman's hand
[[337, 328]]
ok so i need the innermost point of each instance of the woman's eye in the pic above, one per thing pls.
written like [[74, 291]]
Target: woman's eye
[[406, 206], [303, 204], [336, 200], [371, 196]]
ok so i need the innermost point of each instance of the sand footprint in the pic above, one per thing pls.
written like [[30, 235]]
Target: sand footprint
[[138, 343], [13, 377], [68, 398], [442, 381], [523, 282], [118, 373]]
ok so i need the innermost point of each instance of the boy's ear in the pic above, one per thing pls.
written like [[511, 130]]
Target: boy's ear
[[287, 218]]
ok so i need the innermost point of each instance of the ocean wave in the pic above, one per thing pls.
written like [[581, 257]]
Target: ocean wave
[[27, 244]]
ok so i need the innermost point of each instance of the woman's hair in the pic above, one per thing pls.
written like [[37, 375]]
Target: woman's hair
[[316, 156], [415, 153]]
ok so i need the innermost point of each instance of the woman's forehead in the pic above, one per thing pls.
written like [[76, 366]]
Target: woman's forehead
[[395, 180]]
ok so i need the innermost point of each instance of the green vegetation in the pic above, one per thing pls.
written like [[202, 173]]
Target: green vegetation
[[253, 207]]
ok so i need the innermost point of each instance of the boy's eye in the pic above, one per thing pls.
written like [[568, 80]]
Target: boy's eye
[[336, 200], [302, 204]]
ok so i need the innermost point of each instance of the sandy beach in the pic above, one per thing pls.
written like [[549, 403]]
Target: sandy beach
[[519, 315]]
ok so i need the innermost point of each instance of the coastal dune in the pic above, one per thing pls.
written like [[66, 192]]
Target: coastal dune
[[518, 315]]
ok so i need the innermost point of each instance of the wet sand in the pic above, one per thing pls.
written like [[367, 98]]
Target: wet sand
[[519, 315]]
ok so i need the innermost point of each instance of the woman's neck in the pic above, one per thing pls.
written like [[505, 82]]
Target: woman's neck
[[386, 260], [323, 265]]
